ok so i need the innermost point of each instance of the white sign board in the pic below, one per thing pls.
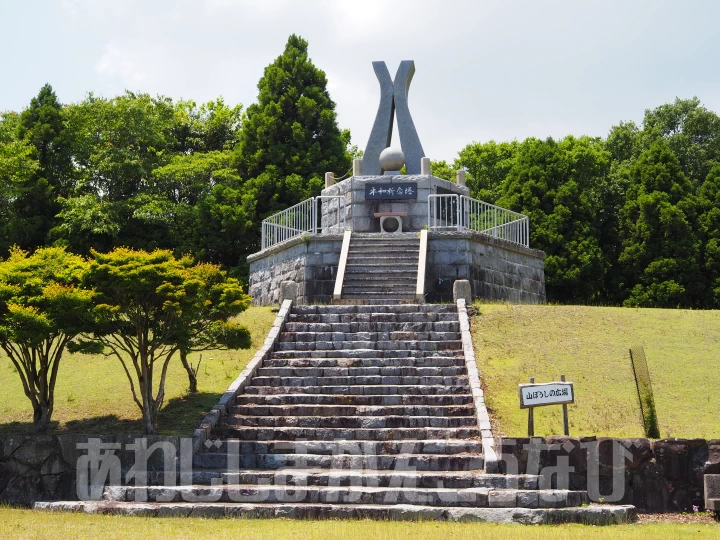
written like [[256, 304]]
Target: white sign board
[[537, 395]]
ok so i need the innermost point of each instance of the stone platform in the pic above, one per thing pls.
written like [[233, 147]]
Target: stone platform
[[496, 269]]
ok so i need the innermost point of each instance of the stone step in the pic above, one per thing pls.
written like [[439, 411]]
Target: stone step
[[379, 289], [386, 245], [391, 309], [363, 477], [373, 317], [309, 337], [357, 447], [394, 288], [376, 389], [387, 275], [376, 298], [248, 433], [375, 326], [361, 400], [351, 271], [362, 278], [388, 250], [363, 267], [361, 371], [421, 362], [418, 462], [446, 326], [353, 410], [372, 256], [249, 493], [351, 422], [356, 300], [410, 345], [371, 380], [365, 354], [595, 515]]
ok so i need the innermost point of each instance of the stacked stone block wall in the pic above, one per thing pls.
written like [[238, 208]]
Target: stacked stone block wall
[[659, 476], [496, 269], [43, 467], [309, 261]]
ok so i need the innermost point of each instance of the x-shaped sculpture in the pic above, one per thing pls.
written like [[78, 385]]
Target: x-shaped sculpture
[[393, 101]]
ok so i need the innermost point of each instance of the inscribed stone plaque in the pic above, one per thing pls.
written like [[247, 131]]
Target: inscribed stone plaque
[[391, 191]]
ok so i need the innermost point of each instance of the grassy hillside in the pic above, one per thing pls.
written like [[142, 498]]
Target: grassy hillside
[[590, 346], [93, 393]]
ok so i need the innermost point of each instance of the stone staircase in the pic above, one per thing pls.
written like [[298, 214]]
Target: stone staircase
[[381, 269], [361, 411]]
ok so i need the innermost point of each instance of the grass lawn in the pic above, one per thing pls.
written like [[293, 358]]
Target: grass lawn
[[589, 345], [93, 394], [28, 524]]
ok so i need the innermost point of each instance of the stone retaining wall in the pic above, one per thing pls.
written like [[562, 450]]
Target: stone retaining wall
[[659, 476], [310, 261], [496, 269], [43, 467]]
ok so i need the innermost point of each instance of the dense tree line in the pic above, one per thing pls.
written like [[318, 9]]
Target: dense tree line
[[147, 172], [631, 219]]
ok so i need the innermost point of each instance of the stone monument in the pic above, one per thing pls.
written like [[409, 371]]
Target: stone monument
[[385, 237]]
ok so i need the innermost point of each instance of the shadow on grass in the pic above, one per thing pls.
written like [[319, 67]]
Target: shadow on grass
[[179, 416]]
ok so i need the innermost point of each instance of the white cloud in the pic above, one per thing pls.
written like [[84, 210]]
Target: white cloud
[[118, 65]]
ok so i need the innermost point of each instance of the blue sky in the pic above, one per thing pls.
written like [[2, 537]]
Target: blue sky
[[486, 70]]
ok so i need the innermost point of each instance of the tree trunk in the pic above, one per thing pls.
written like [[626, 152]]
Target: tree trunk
[[149, 418], [192, 378], [41, 418]]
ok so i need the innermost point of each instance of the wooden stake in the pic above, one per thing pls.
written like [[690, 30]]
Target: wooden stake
[[531, 416], [566, 424]]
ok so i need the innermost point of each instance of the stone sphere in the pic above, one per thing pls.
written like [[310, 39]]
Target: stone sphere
[[392, 159]]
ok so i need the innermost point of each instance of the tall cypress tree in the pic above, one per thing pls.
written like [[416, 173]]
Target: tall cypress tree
[[35, 207], [290, 137]]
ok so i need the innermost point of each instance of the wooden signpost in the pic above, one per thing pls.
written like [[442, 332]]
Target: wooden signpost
[[539, 395]]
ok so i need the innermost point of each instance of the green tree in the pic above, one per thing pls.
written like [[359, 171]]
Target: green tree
[[18, 169], [659, 252], [291, 134], [690, 130], [43, 307], [487, 166], [34, 203], [42, 125], [212, 126], [117, 143], [442, 169], [213, 213], [227, 225], [208, 327], [147, 305], [559, 186], [708, 231]]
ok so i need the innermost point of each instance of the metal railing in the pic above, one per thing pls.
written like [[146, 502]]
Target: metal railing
[[442, 213], [317, 214], [453, 212]]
